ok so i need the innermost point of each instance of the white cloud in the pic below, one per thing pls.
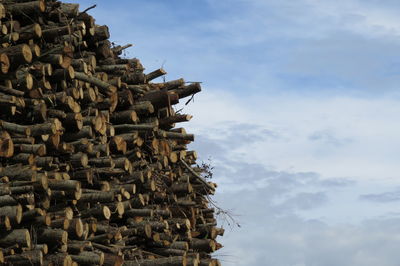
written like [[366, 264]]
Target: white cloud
[[365, 132]]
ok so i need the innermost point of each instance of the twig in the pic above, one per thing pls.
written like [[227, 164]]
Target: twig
[[87, 9], [197, 176]]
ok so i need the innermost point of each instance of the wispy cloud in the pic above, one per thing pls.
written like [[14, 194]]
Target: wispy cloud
[[389, 196]]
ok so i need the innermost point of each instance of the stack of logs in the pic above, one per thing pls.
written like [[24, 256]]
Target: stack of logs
[[93, 170]]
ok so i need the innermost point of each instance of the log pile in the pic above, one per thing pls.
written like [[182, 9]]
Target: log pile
[[93, 169]]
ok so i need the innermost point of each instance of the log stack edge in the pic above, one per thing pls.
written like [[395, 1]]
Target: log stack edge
[[94, 167]]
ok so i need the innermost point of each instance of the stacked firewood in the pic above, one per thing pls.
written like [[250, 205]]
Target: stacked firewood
[[93, 170]]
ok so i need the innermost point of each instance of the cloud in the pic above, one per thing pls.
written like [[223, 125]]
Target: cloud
[[253, 46], [385, 197], [268, 237], [282, 213], [350, 137], [328, 138]]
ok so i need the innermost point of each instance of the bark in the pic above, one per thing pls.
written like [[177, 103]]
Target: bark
[[103, 86], [171, 261], [33, 257], [29, 32], [17, 236], [6, 145], [15, 128], [143, 107], [160, 99], [188, 90], [27, 8], [171, 120], [36, 149], [89, 258], [52, 237], [19, 54], [155, 74], [126, 128], [67, 185], [58, 259], [101, 213], [98, 197]]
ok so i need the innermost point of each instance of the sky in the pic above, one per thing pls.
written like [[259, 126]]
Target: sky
[[298, 114]]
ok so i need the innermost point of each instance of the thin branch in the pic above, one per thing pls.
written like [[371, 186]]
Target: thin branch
[[87, 9], [197, 176]]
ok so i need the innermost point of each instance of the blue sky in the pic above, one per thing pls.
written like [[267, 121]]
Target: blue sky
[[299, 114]]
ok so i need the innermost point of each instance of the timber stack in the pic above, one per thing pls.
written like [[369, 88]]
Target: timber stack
[[93, 170]]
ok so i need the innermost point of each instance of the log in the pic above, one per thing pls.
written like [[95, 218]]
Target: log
[[19, 54], [6, 145], [188, 90], [29, 32], [98, 197], [20, 237], [14, 213], [89, 258], [58, 259], [171, 261], [100, 213], [26, 8], [155, 74], [168, 121], [15, 128], [32, 257], [103, 86], [52, 237]]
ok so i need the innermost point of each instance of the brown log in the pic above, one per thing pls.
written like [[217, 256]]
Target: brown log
[[127, 128], [6, 145], [58, 259], [26, 8], [67, 185], [123, 117], [102, 212], [31, 257], [167, 252], [52, 237], [133, 78], [36, 149], [155, 74], [101, 33], [96, 197], [112, 260], [75, 228], [14, 213], [205, 245], [5, 63], [15, 128], [188, 90], [160, 99], [103, 86], [171, 261], [175, 119], [17, 236], [85, 132], [143, 107], [29, 32], [18, 54]]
